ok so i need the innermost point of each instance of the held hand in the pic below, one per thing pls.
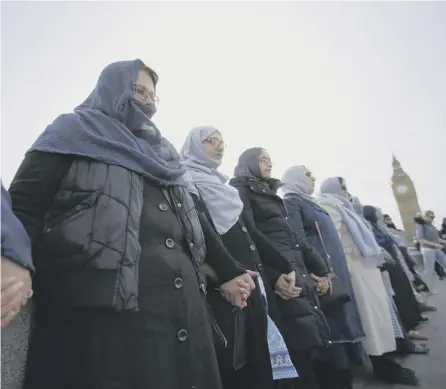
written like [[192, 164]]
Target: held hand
[[15, 289], [237, 291], [249, 277], [322, 284], [286, 286], [11, 299]]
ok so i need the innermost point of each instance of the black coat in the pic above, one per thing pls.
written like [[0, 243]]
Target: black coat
[[404, 297], [168, 342], [245, 330], [304, 325]]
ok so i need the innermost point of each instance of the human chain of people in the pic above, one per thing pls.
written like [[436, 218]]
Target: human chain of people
[[140, 266]]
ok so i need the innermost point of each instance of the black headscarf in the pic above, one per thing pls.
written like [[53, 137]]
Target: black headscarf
[[249, 164]]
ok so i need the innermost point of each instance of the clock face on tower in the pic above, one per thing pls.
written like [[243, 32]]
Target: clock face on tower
[[401, 189]]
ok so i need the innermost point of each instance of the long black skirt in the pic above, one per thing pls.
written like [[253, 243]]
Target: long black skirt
[[404, 297], [101, 349]]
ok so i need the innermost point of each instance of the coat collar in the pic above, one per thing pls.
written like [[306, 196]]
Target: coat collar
[[269, 187]]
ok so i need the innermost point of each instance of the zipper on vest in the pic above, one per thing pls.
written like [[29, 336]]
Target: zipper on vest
[[216, 327]]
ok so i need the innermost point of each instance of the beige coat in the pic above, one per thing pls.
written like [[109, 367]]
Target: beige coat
[[370, 292]]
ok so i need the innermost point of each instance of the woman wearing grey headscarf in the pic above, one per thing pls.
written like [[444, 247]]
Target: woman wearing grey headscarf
[[267, 357], [119, 294], [317, 235], [363, 257]]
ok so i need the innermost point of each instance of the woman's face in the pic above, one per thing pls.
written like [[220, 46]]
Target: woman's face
[[145, 89], [344, 188], [311, 179], [265, 165], [388, 220], [214, 146]]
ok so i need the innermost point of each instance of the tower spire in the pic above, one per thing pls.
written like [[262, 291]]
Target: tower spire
[[395, 163]]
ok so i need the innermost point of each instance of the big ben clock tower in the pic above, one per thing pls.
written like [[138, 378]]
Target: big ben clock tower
[[406, 198]]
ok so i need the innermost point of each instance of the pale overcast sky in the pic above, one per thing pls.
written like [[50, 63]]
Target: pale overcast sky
[[335, 86]]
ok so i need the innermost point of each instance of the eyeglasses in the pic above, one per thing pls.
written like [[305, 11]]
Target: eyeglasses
[[266, 161], [216, 143], [143, 94]]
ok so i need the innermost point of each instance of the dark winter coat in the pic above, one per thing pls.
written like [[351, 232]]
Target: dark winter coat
[[304, 324], [404, 297], [119, 292], [16, 245], [345, 323]]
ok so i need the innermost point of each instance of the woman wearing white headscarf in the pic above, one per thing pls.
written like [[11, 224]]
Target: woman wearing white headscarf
[[266, 355], [363, 257]]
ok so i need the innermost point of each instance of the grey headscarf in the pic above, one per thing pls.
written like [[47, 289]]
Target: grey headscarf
[[296, 180], [398, 237], [222, 200], [111, 126], [357, 206], [361, 233]]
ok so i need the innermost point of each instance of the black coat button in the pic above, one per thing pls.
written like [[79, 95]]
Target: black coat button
[[170, 243], [252, 247], [163, 207], [244, 229], [182, 335], [178, 283], [260, 267]]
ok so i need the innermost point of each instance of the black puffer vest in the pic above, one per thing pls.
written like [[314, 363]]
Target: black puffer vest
[[89, 251]]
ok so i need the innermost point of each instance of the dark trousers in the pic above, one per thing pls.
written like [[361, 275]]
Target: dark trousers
[[404, 346], [330, 377], [385, 367], [303, 361], [287, 384], [439, 270]]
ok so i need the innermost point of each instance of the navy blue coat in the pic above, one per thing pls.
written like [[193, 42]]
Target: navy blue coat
[[345, 324], [16, 244]]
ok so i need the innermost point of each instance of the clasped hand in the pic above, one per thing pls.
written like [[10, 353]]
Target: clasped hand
[[286, 286], [15, 289], [237, 291], [322, 284]]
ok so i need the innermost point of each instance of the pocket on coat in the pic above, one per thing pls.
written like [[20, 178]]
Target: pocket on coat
[[66, 239]]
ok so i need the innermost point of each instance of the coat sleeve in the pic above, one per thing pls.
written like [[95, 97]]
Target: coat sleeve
[[16, 244], [313, 261], [217, 256], [34, 187], [275, 264]]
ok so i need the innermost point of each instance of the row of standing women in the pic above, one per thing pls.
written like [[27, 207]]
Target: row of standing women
[[153, 272]]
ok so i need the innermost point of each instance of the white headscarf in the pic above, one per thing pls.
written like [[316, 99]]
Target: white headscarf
[[222, 200]]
